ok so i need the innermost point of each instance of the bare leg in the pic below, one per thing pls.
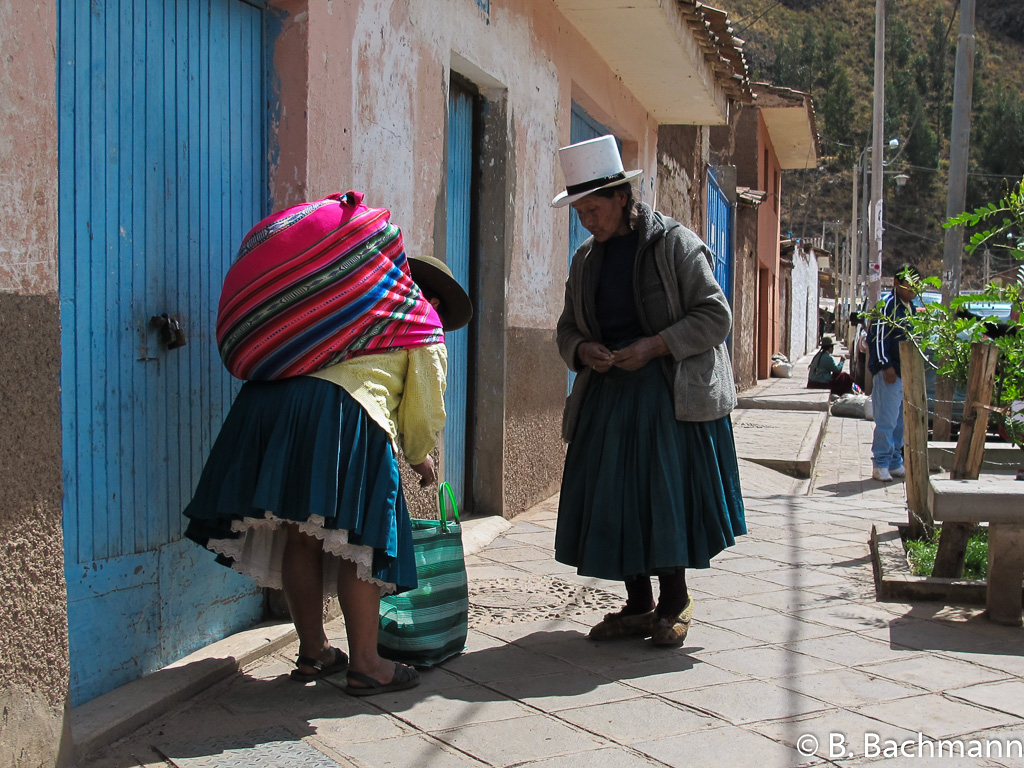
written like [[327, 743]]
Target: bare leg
[[360, 603], [303, 580]]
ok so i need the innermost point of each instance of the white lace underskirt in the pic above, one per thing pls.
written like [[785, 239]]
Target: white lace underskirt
[[258, 552]]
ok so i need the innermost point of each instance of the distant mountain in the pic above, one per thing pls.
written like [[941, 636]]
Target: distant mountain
[[826, 48]]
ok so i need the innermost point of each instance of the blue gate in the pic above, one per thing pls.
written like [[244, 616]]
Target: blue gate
[[460, 208], [162, 169], [719, 234]]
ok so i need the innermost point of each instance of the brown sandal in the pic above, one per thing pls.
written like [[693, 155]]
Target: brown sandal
[[671, 632], [340, 664], [616, 625]]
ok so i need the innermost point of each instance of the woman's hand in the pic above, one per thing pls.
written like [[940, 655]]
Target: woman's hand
[[595, 355], [425, 469], [639, 353]]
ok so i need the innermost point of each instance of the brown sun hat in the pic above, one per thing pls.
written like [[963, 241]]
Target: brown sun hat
[[434, 275]]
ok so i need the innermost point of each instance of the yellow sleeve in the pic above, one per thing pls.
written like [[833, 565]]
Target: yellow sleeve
[[421, 411]]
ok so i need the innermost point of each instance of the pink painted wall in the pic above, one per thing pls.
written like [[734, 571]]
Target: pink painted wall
[[28, 148], [770, 179], [372, 89]]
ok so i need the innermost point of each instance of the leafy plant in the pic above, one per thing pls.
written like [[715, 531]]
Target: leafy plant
[[945, 333], [921, 554]]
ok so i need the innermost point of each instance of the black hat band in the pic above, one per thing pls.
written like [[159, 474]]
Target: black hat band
[[588, 186]]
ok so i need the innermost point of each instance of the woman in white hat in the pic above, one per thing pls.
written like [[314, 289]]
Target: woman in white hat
[[651, 483]]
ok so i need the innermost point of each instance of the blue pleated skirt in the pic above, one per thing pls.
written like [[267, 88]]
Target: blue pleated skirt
[[642, 493], [301, 450]]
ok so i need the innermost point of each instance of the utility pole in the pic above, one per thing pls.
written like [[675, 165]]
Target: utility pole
[[874, 274], [854, 243], [959, 145]]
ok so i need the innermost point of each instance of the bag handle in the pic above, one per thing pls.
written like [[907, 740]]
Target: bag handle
[[446, 490]]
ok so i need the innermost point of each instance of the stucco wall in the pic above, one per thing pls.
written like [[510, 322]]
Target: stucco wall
[[371, 115], [803, 315], [33, 615]]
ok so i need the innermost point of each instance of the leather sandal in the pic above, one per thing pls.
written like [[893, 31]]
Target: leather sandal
[[404, 677], [670, 632], [618, 625], [340, 664]]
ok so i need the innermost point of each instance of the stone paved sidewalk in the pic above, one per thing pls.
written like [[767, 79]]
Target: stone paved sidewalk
[[788, 650]]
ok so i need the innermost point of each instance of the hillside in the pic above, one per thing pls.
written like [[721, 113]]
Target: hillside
[[826, 47]]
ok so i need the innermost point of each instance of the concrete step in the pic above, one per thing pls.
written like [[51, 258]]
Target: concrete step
[[787, 441]]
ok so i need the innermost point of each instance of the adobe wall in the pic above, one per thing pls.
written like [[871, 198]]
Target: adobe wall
[[33, 601]]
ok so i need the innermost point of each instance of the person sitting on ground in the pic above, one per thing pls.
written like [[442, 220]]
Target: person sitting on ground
[[825, 373]]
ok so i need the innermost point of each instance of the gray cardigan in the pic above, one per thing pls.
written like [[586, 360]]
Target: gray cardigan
[[676, 296]]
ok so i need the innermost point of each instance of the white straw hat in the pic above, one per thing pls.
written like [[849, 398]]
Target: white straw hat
[[588, 166]]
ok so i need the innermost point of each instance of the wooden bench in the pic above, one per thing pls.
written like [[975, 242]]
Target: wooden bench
[[998, 457], [999, 501]]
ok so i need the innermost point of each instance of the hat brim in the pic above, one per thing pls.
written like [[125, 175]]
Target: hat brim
[[563, 199], [458, 309]]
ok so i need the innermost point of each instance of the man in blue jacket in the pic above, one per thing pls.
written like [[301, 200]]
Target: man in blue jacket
[[884, 339]]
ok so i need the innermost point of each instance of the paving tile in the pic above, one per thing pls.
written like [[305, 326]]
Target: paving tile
[[847, 614], [835, 733], [776, 628], [599, 656], [520, 740], [550, 693], [652, 677], [455, 707], [408, 752], [502, 663], [768, 663], [530, 633], [358, 727], [611, 757], [848, 687], [636, 720], [725, 748], [1011, 662], [542, 537], [934, 672], [736, 585], [1006, 696], [849, 649], [748, 701], [801, 578], [515, 554], [935, 716], [708, 637], [715, 609]]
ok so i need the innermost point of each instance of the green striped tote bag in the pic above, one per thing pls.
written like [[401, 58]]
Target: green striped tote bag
[[427, 625]]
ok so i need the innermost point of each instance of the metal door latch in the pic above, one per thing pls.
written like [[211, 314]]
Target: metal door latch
[[170, 330]]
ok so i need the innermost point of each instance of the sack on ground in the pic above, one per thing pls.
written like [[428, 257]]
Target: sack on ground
[[851, 406], [429, 624], [781, 367]]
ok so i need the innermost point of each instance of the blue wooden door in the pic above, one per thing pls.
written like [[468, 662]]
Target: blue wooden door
[[719, 234], [162, 169], [582, 127], [460, 208]]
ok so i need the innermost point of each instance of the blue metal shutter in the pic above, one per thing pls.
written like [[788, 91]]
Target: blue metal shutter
[[460, 205], [162, 169], [719, 234]]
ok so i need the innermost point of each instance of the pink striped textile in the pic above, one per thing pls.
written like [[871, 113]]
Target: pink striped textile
[[316, 284]]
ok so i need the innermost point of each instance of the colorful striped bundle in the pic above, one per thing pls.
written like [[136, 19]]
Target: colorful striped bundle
[[316, 284]]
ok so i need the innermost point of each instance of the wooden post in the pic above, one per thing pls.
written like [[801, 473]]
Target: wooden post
[[915, 441], [942, 424], [970, 450]]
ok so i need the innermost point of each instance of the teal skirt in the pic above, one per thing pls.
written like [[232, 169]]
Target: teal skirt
[[642, 493], [301, 450]]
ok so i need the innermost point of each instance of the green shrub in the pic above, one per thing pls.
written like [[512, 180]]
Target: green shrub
[[921, 555]]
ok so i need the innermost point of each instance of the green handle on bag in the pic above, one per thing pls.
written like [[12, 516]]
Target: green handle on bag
[[442, 490]]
